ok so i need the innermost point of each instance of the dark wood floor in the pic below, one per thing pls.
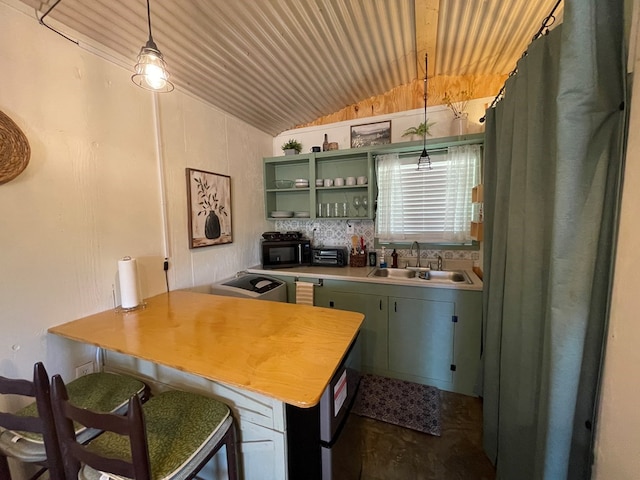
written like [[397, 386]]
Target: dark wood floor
[[390, 452]]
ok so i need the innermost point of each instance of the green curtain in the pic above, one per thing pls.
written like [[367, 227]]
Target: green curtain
[[551, 174]]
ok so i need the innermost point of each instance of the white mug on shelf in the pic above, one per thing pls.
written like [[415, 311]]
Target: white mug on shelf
[[362, 180], [351, 181], [328, 182], [338, 182]]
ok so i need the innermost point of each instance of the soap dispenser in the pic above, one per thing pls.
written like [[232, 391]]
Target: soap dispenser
[[383, 263], [394, 259]]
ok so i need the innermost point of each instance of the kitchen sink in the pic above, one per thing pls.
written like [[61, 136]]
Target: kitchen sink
[[423, 274], [394, 273]]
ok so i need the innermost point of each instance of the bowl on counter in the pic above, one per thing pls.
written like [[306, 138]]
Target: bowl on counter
[[283, 183]]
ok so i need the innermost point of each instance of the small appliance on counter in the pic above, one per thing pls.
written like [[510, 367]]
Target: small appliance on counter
[[330, 256], [247, 285], [285, 250]]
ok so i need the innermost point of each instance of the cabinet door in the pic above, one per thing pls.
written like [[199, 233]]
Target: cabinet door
[[421, 335], [373, 333]]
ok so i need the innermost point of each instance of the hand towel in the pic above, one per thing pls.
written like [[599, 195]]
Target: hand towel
[[304, 293]]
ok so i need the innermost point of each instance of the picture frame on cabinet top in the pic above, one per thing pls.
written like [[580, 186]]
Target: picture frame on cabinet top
[[378, 133]]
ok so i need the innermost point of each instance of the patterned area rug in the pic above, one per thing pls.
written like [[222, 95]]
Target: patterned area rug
[[399, 402]]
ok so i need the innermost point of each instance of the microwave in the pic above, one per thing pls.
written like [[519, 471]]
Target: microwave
[[330, 256], [286, 253]]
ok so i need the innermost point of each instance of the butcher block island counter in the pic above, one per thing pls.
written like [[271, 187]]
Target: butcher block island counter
[[284, 351], [257, 356]]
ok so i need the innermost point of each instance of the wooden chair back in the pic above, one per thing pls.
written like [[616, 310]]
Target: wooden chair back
[[44, 424], [74, 454]]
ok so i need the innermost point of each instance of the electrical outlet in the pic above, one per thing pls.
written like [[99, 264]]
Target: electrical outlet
[[84, 369], [350, 230]]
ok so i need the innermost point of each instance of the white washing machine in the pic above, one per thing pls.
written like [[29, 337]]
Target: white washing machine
[[252, 285]]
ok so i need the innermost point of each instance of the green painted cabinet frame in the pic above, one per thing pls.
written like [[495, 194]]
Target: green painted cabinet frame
[[420, 334]]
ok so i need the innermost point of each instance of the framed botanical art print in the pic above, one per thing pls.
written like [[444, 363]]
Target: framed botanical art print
[[209, 204]]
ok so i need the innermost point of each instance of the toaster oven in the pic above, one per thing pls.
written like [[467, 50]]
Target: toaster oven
[[330, 256]]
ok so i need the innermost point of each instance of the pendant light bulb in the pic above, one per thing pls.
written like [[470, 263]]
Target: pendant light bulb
[[151, 70]]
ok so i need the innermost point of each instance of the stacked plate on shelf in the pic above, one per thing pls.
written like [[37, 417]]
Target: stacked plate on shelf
[[301, 214], [302, 183], [281, 214], [283, 183]]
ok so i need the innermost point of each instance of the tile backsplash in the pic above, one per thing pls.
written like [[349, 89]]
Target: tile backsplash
[[334, 233]]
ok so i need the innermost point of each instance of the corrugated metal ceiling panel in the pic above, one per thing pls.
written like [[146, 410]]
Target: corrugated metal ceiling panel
[[486, 37], [279, 63]]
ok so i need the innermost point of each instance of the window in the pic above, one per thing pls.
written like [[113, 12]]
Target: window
[[432, 206]]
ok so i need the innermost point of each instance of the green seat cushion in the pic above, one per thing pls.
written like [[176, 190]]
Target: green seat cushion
[[178, 424], [103, 392]]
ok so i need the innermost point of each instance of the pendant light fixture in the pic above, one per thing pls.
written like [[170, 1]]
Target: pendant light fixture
[[424, 162], [151, 71]]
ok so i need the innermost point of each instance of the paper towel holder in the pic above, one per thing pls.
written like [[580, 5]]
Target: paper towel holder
[[129, 282], [120, 309]]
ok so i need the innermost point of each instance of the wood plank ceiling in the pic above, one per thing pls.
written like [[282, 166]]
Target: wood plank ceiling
[[277, 64]]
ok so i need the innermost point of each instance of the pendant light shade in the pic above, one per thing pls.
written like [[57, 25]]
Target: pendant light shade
[[151, 71]]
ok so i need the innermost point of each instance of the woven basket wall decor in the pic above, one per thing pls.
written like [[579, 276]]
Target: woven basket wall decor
[[14, 149]]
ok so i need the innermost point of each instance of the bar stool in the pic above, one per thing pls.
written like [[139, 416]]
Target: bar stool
[[171, 436], [29, 435]]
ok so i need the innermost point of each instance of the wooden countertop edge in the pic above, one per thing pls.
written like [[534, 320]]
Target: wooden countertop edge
[[109, 318]]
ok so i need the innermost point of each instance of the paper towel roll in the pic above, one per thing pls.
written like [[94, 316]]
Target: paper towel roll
[[304, 293], [128, 275]]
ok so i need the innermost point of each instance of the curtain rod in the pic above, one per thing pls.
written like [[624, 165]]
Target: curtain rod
[[543, 30], [413, 153]]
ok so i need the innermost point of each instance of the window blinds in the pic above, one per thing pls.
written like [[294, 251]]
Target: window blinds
[[431, 206]]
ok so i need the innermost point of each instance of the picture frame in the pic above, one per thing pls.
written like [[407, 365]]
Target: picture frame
[[209, 208], [378, 133]]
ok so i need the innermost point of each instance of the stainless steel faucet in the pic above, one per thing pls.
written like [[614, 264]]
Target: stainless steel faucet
[[418, 249], [439, 263]]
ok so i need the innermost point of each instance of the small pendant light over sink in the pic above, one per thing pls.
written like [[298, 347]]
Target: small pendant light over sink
[[151, 71]]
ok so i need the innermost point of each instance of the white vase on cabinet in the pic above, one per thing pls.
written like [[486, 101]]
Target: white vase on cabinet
[[459, 124]]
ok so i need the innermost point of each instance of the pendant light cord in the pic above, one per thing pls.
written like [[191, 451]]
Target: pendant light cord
[[41, 22], [424, 156], [149, 20]]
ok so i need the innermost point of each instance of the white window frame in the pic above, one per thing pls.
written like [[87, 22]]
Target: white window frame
[[427, 206]]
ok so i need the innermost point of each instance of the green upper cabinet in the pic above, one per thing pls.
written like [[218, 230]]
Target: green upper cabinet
[[304, 202]]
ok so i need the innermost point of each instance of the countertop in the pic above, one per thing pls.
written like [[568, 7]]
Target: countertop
[[285, 351], [361, 274]]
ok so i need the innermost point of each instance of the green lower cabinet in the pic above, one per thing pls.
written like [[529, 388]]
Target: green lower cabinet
[[421, 340], [373, 333], [430, 336]]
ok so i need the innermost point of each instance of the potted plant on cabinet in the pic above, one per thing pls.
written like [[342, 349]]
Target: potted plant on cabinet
[[292, 147], [458, 105], [419, 131]]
